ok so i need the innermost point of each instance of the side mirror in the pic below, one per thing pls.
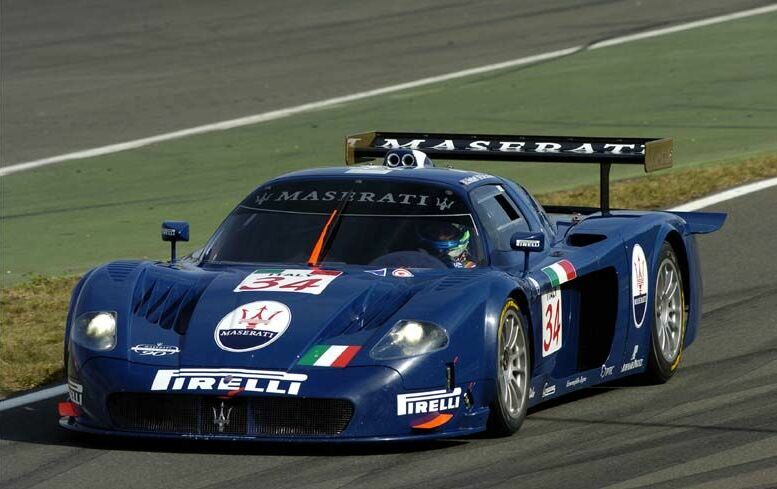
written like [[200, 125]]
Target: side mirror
[[174, 231], [528, 243]]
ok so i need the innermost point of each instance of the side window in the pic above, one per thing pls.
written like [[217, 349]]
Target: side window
[[545, 220], [498, 214]]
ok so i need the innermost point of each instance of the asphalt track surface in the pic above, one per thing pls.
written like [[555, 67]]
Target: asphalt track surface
[[714, 425], [81, 74], [87, 73]]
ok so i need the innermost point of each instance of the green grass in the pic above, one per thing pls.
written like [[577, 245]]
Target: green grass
[[712, 89]]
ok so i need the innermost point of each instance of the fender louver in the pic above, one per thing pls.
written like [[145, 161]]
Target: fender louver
[[168, 301]]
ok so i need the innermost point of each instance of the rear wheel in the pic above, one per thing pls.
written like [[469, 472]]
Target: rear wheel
[[669, 318], [513, 373]]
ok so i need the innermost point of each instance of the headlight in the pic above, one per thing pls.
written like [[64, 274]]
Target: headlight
[[410, 338], [95, 330]]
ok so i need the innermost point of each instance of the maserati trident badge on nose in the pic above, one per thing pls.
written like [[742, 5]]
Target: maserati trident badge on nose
[[220, 418]]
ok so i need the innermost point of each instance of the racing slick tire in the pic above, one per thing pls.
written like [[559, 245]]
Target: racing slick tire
[[513, 362], [669, 318]]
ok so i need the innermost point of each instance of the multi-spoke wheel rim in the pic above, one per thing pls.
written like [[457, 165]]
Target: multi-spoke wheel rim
[[669, 310], [513, 363]]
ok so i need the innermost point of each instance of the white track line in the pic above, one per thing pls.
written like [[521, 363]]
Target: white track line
[[324, 104], [689, 207], [726, 195], [33, 397]]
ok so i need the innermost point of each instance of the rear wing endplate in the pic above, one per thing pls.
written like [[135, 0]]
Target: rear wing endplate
[[653, 154]]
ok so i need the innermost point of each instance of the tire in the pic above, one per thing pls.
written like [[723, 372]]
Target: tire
[[669, 318], [513, 372]]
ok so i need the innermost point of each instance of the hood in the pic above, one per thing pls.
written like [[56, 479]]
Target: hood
[[268, 318]]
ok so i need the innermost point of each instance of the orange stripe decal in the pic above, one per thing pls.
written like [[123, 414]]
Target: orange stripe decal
[[438, 420], [314, 255]]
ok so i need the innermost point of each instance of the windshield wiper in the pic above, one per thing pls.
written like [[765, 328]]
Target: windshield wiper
[[328, 232]]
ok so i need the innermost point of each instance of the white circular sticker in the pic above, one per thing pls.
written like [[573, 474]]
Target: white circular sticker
[[639, 285], [252, 326]]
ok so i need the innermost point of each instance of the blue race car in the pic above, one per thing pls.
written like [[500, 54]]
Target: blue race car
[[393, 301]]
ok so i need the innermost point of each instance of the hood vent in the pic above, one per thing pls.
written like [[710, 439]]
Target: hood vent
[[457, 279], [167, 298], [120, 270]]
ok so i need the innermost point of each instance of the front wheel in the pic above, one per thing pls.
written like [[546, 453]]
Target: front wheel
[[669, 318], [513, 372]]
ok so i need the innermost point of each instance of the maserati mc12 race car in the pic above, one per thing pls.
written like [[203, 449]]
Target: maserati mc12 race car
[[398, 300]]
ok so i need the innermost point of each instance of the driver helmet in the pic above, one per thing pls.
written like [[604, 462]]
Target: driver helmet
[[445, 240]]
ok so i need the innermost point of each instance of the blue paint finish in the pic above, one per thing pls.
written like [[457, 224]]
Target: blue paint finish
[[178, 306]]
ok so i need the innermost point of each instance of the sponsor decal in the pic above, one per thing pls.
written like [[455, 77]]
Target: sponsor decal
[[75, 391], [577, 381], [507, 146], [221, 417], [402, 272], [228, 379], [429, 423], [428, 402], [252, 326], [367, 169], [548, 390], [329, 356], [474, 178], [531, 392], [560, 272], [306, 281], [606, 371], [381, 272], [634, 362], [528, 243], [418, 200], [552, 322], [157, 350], [639, 285]]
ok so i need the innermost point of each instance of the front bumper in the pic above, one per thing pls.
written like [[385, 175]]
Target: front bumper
[[222, 393]]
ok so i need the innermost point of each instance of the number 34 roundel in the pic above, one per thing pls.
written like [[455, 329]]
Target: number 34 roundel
[[311, 281], [552, 327]]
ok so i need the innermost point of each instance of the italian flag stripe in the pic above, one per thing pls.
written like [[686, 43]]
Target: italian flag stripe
[[568, 268], [329, 355], [312, 355], [552, 275], [332, 273], [560, 272], [346, 356]]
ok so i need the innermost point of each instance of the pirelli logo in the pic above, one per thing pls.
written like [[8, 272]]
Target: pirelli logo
[[228, 379], [428, 402]]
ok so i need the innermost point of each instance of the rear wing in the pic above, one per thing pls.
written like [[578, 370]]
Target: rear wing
[[652, 154]]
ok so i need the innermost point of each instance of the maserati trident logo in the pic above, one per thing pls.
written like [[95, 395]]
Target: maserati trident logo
[[221, 418]]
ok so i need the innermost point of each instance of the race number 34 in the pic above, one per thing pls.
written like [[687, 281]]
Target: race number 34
[[288, 280], [552, 327]]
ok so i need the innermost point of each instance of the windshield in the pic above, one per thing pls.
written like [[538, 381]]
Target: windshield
[[383, 223]]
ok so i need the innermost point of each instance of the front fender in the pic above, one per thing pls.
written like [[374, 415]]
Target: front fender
[[470, 315]]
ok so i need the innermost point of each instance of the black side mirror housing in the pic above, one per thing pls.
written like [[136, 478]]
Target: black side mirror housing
[[527, 242], [174, 231]]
